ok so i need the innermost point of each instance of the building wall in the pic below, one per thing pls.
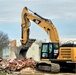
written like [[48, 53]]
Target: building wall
[[12, 49], [34, 52], [6, 52], [9, 52]]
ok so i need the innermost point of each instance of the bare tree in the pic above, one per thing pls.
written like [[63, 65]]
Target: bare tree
[[4, 41]]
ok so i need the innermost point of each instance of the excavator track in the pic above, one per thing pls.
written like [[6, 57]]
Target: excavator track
[[45, 67]]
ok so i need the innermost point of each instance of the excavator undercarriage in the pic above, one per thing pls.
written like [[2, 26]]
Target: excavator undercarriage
[[48, 67]]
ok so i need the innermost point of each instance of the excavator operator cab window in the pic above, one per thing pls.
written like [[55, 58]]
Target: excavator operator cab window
[[49, 50], [45, 51]]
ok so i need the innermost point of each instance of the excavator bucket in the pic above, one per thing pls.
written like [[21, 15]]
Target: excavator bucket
[[24, 48]]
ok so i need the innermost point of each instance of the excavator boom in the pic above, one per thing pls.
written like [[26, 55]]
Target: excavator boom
[[46, 24]]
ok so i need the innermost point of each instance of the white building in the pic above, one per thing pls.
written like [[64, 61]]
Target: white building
[[34, 52]]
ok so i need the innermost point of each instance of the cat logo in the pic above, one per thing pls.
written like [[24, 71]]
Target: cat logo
[[37, 21]]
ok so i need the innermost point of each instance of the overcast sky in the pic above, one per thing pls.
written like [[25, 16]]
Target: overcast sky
[[61, 12]]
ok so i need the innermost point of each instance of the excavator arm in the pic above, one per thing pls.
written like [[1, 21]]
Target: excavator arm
[[25, 30], [46, 24]]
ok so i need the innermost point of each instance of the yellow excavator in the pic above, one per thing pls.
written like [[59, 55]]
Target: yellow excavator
[[53, 55]]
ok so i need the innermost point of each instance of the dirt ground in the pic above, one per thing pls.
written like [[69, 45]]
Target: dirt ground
[[40, 74], [30, 71], [61, 74], [35, 73]]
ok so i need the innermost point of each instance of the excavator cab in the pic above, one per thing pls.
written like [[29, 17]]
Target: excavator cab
[[49, 51]]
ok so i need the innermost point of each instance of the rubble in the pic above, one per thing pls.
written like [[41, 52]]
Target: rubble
[[17, 65]]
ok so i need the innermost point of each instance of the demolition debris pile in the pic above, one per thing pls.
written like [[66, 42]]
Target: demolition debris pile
[[17, 65]]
